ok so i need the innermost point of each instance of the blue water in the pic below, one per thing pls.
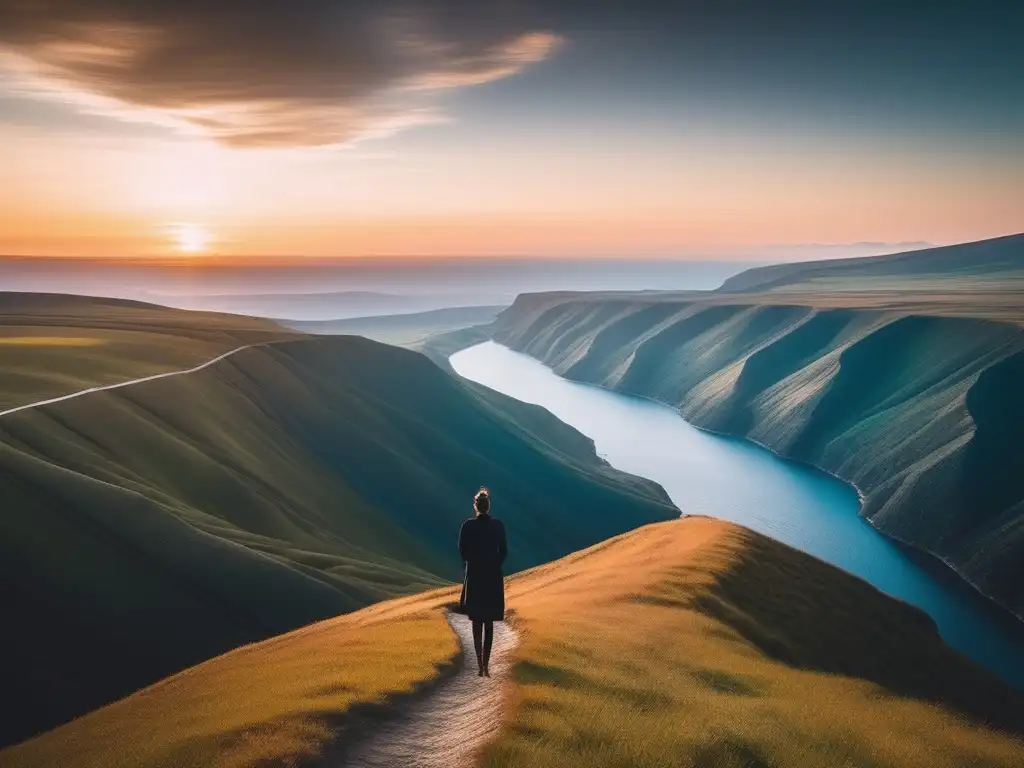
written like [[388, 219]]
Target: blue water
[[736, 480]]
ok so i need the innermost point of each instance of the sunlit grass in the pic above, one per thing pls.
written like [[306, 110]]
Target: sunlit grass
[[648, 653], [52, 341]]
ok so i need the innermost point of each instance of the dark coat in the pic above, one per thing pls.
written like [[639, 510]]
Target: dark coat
[[483, 548]]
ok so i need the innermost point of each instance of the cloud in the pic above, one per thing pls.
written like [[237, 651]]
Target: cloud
[[267, 72]]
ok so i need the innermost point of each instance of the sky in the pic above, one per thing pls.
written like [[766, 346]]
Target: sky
[[683, 129]]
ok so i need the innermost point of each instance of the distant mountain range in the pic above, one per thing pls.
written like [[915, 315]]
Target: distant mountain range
[[320, 307]]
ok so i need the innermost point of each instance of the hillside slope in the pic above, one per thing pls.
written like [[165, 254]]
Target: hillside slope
[[52, 344], [150, 527], [921, 412], [688, 643], [996, 265]]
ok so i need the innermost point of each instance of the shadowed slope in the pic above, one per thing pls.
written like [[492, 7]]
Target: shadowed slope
[[786, 356], [103, 590], [285, 484], [276, 702]]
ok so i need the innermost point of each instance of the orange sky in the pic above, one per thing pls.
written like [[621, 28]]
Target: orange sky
[[101, 196], [459, 128]]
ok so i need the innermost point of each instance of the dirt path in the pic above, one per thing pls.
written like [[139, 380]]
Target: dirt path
[[445, 729], [131, 382]]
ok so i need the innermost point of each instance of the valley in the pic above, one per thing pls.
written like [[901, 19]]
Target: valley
[[150, 527], [238, 538], [908, 397], [511, 384], [736, 480]]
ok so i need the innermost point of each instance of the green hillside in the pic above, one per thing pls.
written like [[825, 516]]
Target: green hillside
[[52, 344], [988, 265], [147, 528], [920, 409]]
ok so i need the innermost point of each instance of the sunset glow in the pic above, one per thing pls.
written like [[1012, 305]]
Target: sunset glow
[[190, 239], [560, 132]]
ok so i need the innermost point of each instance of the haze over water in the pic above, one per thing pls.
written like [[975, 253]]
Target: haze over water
[[332, 289], [736, 480]]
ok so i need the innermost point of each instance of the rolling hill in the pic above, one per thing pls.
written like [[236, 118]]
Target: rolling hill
[[687, 643], [148, 528], [53, 344], [911, 396], [995, 265]]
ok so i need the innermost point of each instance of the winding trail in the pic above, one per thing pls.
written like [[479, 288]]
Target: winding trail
[[445, 729], [131, 382]]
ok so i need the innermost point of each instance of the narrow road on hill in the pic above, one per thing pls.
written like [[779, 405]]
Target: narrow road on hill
[[104, 387], [445, 729]]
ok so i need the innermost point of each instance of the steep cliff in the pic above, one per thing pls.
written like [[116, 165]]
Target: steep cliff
[[921, 412]]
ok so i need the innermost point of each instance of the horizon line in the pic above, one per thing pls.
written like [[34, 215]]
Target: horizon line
[[718, 254]]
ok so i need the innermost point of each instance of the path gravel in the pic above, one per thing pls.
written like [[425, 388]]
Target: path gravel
[[445, 729]]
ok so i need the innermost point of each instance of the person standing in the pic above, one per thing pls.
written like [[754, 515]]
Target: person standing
[[483, 547]]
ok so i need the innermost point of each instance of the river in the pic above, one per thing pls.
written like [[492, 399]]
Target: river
[[736, 480]]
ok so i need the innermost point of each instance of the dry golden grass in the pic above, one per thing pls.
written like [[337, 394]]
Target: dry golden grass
[[687, 643], [698, 643], [277, 702]]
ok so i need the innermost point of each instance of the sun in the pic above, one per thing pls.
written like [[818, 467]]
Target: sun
[[190, 238]]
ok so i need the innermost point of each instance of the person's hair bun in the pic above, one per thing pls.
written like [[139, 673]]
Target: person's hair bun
[[482, 501]]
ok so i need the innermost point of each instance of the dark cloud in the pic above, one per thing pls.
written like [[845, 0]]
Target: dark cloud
[[277, 72]]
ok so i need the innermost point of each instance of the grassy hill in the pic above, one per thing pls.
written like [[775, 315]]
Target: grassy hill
[[51, 344], [699, 643], [914, 400], [688, 643], [995, 265], [148, 528]]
